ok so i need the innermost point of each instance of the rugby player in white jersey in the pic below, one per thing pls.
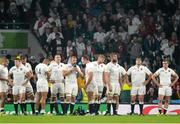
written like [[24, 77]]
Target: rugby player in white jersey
[[43, 75], [70, 72], [138, 74], [98, 76], [164, 83], [90, 85], [57, 80], [113, 78], [21, 76], [3, 83], [29, 89]]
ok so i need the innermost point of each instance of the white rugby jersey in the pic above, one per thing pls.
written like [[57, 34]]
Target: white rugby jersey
[[28, 65], [72, 77], [89, 68], [19, 74], [138, 74], [41, 70], [98, 70], [56, 71], [165, 76], [115, 72], [3, 73]]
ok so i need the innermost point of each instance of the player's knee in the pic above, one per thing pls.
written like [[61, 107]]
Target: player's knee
[[22, 101], [167, 101], [91, 101], [15, 102], [73, 99], [141, 102], [53, 99], [160, 101], [32, 96], [110, 98]]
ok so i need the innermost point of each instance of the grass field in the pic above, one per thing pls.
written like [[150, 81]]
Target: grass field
[[90, 119]]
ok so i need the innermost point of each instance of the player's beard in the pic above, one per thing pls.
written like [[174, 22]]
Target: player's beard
[[114, 60]]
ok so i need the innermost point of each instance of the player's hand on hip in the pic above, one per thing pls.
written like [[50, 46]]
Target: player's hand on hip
[[144, 83], [171, 85], [159, 85], [52, 81], [24, 84], [10, 82]]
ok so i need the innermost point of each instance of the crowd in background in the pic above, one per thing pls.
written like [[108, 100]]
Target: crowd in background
[[146, 28]]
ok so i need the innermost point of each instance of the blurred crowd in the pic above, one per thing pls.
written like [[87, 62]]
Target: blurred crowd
[[146, 28]]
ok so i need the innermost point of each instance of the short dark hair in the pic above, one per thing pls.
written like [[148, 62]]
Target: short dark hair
[[85, 57], [73, 55], [138, 58], [23, 57], [165, 60], [57, 54]]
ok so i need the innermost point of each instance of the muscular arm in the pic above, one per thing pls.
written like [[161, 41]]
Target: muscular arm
[[108, 81], [10, 79], [148, 80], [89, 79], [3, 79], [104, 79], [67, 72], [80, 73], [154, 79], [28, 76]]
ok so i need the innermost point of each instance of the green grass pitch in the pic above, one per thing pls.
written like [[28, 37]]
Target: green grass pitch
[[90, 119]]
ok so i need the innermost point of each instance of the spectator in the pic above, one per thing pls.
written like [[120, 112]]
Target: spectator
[[69, 48], [56, 20], [150, 46], [52, 35], [13, 13], [168, 49], [90, 51], [56, 45], [112, 34], [40, 25], [176, 92], [122, 33], [3, 14], [135, 49], [44, 38], [99, 40], [80, 46]]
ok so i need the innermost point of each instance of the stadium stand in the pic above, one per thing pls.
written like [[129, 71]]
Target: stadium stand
[[146, 28]]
